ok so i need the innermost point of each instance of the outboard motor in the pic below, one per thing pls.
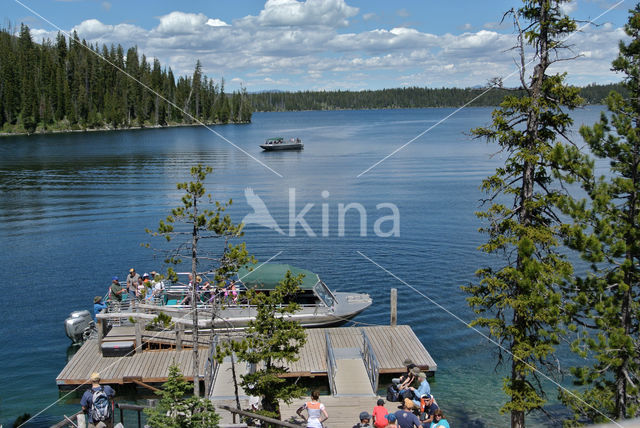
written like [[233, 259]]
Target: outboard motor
[[76, 324]]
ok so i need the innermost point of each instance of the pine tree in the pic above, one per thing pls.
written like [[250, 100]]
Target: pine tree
[[272, 341], [518, 298], [176, 410], [195, 222], [605, 305]]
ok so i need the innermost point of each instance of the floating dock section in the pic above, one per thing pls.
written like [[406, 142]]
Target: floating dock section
[[351, 359]]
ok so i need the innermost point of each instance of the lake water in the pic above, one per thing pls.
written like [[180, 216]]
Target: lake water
[[74, 207]]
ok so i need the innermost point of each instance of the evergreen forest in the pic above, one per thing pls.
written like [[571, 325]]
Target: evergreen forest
[[412, 97], [71, 85], [66, 85]]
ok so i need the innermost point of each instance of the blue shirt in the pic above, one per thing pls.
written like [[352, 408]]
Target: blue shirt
[[87, 397], [407, 419], [97, 307], [442, 424], [423, 389]]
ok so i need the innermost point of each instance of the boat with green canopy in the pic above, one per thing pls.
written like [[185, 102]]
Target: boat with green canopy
[[319, 305]]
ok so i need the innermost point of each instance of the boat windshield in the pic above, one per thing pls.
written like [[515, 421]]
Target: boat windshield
[[324, 293]]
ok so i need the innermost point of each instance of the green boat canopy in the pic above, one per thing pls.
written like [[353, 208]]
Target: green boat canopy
[[267, 276]]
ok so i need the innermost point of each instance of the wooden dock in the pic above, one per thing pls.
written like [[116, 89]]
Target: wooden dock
[[146, 366], [343, 412], [350, 376], [391, 345]]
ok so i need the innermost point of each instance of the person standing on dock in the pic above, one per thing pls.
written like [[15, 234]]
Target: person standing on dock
[[316, 411], [115, 290], [132, 283], [96, 403]]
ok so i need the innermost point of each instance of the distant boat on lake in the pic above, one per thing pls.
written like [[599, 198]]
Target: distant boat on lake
[[279, 143]]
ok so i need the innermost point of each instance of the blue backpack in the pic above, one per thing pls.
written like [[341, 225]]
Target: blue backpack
[[100, 406]]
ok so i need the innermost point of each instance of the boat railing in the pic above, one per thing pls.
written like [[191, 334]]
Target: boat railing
[[331, 363], [371, 362]]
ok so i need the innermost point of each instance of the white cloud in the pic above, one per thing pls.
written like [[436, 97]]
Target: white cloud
[[568, 8], [403, 13], [368, 16], [301, 45], [181, 23], [216, 23], [311, 12], [93, 29]]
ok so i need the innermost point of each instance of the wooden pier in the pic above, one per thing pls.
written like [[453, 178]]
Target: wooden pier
[[390, 345], [349, 358], [150, 367]]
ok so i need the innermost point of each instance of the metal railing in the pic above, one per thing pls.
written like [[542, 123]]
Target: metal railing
[[331, 364], [371, 362], [68, 420], [268, 420], [211, 370]]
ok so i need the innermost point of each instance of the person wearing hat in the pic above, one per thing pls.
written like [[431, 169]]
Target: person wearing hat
[[87, 402], [428, 408], [423, 389], [98, 306], [132, 282], [393, 422], [379, 413], [404, 389], [115, 290], [365, 417], [401, 380], [405, 416]]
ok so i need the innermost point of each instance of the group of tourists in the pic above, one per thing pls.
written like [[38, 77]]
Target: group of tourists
[[417, 409]]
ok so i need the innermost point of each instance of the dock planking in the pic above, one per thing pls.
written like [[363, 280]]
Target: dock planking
[[391, 345], [343, 411], [148, 367]]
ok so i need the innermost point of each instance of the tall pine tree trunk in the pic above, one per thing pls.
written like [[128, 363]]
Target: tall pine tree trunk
[[194, 296]]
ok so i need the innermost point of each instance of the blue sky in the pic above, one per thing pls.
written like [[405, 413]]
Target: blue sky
[[328, 44]]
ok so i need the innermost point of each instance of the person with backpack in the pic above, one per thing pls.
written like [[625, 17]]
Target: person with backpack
[[96, 403]]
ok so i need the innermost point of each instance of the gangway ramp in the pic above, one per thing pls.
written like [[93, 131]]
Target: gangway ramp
[[222, 388], [351, 377]]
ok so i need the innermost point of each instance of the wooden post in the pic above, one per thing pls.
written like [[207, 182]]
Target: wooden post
[[100, 328], [139, 326], [179, 333], [394, 307]]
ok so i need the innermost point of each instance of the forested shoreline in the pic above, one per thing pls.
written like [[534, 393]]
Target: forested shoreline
[[412, 97], [62, 86]]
